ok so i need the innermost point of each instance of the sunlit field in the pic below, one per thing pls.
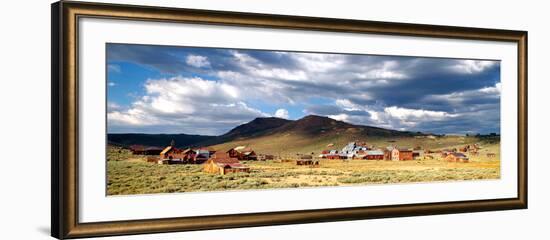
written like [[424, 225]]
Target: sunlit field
[[132, 174]]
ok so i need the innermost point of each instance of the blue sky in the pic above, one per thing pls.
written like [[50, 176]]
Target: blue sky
[[209, 91]]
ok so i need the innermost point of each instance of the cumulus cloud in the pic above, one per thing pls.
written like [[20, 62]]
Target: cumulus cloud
[[112, 106], [113, 68], [467, 99], [215, 89], [390, 117], [186, 105], [281, 113], [197, 61], [472, 66], [388, 70], [406, 114]]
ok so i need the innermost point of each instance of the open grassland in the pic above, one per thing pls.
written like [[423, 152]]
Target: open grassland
[[288, 145], [130, 174]]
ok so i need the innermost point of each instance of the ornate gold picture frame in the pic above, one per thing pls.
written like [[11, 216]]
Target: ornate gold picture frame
[[65, 119]]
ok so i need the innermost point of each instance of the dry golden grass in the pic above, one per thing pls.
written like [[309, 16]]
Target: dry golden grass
[[128, 174], [288, 145]]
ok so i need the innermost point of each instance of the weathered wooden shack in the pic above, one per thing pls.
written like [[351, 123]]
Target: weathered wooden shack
[[388, 152], [173, 153], [202, 155], [418, 154], [401, 154], [242, 153], [224, 164], [330, 154], [374, 155], [457, 157]]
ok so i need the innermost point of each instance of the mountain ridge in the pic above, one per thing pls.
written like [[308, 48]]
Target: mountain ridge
[[310, 126]]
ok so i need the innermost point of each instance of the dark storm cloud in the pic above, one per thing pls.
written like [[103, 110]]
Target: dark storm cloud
[[413, 93]]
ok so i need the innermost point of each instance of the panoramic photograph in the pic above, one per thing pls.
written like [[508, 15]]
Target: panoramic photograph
[[195, 119]]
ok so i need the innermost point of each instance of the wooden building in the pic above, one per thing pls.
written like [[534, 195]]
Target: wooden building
[[242, 153], [202, 155], [173, 155], [388, 152], [223, 164], [418, 153], [307, 160], [401, 154], [456, 157], [330, 154], [373, 155]]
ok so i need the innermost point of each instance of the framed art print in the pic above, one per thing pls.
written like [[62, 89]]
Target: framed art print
[[169, 119]]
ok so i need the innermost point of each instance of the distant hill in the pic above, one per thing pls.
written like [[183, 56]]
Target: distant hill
[[309, 134], [157, 140], [314, 125], [271, 135], [255, 127]]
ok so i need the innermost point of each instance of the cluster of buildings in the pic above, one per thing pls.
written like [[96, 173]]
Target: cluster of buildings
[[355, 150], [229, 161], [213, 162]]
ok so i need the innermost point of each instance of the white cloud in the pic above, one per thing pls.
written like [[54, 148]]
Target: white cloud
[[280, 74], [319, 63], [281, 113], [111, 84], [259, 88], [388, 70], [347, 105], [133, 116], [497, 89], [416, 114], [113, 68], [458, 98], [111, 106], [197, 61], [339, 117], [391, 117], [187, 105], [257, 68], [472, 66], [383, 91]]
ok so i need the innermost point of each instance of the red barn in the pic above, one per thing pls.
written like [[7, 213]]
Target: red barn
[[223, 164], [242, 153], [172, 153], [374, 155], [401, 154], [457, 157]]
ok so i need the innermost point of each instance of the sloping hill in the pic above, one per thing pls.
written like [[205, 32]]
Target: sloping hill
[[255, 127], [273, 136], [310, 134], [314, 125]]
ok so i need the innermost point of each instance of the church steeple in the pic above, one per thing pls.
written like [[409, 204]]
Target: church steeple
[[173, 143]]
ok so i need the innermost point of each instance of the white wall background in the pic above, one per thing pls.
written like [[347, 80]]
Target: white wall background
[[25, 121]]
